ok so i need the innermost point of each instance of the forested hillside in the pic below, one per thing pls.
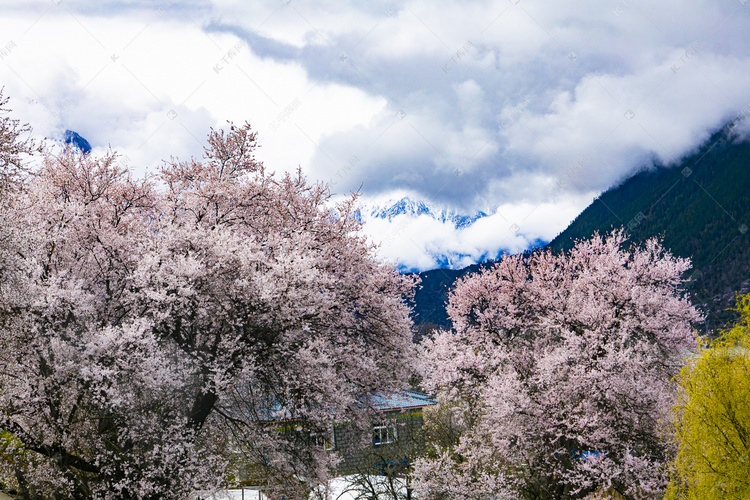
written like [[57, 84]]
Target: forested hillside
[[699, 206], [701, 209], [431, 296]]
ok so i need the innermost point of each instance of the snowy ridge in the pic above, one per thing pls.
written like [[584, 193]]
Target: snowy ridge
[[418, 236], [415, 208]]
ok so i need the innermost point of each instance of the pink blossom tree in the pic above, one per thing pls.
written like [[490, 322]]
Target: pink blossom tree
[[158, 325], [559, 374]]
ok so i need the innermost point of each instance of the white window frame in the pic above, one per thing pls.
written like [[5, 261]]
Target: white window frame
[[327, 440], [387, 431]]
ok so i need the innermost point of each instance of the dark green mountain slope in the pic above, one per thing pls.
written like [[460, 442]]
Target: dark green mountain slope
[[432, 296], [700, 207]]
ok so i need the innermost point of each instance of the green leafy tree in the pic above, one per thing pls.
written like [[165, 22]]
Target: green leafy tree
[[712, 418]]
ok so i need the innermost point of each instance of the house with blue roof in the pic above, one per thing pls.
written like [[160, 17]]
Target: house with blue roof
[[393, 440], [396, 436]]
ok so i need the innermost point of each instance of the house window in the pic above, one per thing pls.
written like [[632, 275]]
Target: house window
[[384, 434], [325, 440]]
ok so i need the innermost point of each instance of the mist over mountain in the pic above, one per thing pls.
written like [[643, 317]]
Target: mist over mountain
[[701, 210], [699, 207], [417, 236]]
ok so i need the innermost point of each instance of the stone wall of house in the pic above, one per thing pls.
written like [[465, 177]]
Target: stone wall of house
[[359, 454], [355, 447]]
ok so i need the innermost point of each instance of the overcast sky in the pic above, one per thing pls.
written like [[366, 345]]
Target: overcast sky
[[522, 109]]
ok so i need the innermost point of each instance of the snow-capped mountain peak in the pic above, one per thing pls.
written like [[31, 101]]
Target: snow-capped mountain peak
[[390, 209]]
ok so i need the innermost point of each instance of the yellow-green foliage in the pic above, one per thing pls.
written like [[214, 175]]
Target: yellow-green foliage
[[10, 456], [712, 418]]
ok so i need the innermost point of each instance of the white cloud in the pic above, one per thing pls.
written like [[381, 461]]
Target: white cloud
[[151, 87], [470, 105], [423, 242]]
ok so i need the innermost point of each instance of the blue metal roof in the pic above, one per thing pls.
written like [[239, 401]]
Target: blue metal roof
[[401, 400]]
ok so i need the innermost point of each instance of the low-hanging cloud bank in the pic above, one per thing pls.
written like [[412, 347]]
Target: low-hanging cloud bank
[[517, 106]]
